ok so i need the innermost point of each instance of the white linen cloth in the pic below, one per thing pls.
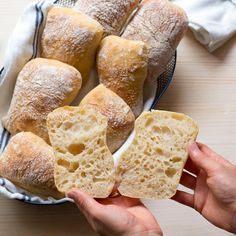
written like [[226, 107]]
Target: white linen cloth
[[22, 47], [213, 22]]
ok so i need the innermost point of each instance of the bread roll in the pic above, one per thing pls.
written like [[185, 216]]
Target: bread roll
[[111, 14], [161, 25], [71, 37], [152, 165], [42, 86], [28, 161], [120, 117], [122, 67], [83, 159]]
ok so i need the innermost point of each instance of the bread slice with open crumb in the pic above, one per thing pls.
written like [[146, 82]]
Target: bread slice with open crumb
[[83, 160], [152, 165]]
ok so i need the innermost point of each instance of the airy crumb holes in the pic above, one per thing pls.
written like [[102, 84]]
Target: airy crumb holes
[[76, 149]]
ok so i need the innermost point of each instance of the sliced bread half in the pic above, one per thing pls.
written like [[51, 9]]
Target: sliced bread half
[[152, 165], [83, 160]]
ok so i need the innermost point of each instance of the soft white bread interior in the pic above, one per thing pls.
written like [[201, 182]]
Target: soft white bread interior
[[28, 161], [71, 37], [122, 67], [120, 117], [42, 86], [111, 14], [83, 160], [152, 165], [161, 25]]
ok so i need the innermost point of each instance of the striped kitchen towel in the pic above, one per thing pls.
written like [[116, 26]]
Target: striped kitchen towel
[[21, 48]]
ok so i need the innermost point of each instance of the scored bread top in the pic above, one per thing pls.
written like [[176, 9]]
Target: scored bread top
[[71, 37], [83, 160], [122, 67], [42, 86], [120, 117], [111, 14], [152, 165], [28, 161]]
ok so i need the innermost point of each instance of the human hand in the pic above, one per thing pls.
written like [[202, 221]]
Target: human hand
[[213, 180], [119, 216]]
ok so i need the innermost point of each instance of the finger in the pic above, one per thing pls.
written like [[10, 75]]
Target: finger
[[188, 180], [191, 167], [204, 148], [201, 159], [121, 201], [184, 198], [209, 152], [84, 202]]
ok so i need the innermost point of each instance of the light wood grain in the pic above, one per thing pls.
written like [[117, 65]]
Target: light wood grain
[[204, 87]]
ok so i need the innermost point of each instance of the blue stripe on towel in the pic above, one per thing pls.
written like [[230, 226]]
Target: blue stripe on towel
[[1, 70], [38, 22], [7, 137], [3, 182], [2, 137]]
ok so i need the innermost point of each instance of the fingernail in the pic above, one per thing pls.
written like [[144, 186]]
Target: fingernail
[[72, 193], [194, 149]]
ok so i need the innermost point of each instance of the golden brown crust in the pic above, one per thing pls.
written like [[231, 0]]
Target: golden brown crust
[[120, 117], [71, 37], [111, 14], [28, 161], [122, 67], [161, 25], [42, 86]]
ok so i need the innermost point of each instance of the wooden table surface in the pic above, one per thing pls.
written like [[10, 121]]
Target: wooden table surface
[[204, 87]]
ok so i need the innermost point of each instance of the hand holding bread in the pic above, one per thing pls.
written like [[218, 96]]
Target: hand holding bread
[[150, 168], [83, 137]]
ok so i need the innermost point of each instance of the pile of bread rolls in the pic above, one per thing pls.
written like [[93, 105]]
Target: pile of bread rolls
[[130, 43]]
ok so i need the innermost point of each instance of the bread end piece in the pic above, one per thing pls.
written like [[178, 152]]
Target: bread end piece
[[83, 160], [152, 166]]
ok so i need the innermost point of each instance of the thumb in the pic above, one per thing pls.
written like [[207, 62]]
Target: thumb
[[201, 159], [84, 202]]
